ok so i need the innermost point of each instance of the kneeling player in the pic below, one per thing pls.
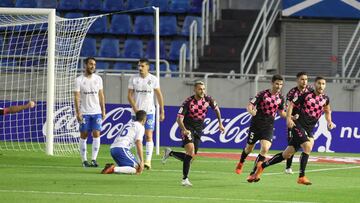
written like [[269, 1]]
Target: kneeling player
[[120, 149]]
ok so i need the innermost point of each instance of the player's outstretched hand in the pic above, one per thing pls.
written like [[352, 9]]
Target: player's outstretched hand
[[31, 104], [331, 126], [295, 117], [140, 169], [221, 128]]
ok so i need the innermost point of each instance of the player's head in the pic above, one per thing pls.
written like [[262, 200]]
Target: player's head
[[140, 116], [90, 65], [277, 83], [302, 79], [143, 66], [320, 84], [199, 89]]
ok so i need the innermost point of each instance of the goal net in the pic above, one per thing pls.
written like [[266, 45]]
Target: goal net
[[38, 61]]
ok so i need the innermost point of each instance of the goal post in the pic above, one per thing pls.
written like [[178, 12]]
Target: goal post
[[39, 55]]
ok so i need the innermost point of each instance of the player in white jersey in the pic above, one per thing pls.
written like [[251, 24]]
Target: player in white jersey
[[141, 91], [120, 148], [90, 109]]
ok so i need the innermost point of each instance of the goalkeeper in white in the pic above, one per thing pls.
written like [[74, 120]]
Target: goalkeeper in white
[[120, 149]]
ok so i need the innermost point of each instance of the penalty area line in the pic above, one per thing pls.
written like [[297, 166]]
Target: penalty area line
[[146, 196]]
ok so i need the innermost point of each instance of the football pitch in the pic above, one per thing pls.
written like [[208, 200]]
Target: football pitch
[[35, 177]]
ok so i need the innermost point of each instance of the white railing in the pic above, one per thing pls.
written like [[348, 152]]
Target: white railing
[[193, 46], [182, 59], [351, 55], [258, 34], [205, 18]]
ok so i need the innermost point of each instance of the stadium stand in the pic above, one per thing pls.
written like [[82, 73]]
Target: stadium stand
[[7, 3], [187, 22], [168, 25], [74, 15], [69, 4], [113, 5], [150, 50], [175, 49], [99, 26], [135, 4], [178, 6], [144, 25], [122, 66], [26, 3], [46, 4]]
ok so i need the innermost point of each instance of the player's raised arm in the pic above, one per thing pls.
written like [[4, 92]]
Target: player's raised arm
[[160, 99], [327, 112], [15, 109], [251, 109]]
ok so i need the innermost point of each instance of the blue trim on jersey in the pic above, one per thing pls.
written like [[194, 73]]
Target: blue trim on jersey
[[150, 121], [123, 157], [91, 122]]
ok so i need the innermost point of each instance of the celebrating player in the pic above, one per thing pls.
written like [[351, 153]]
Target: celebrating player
[[120, 149], [141, 90], [90, 109], [312, 105], [263, 108], [301, 88], [190, 119]]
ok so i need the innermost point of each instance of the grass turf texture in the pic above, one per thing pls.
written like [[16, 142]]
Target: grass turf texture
[[35, 177]]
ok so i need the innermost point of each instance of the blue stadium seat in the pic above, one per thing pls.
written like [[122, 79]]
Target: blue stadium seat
[[162, 4], [133, 48], [178, 6], [69, 4], [168, 25], [175, 49], [38, 45], [91, 5], [122, 66], [113, 5], [25, 3], [195, 6], [88, 47], [134, 4], [7, 3], [174, 68], [109, 48], [100, 65], [18, 45], [144, 25], [120, 24], [46, 4], [99, 26], [150, 50], [74, 15], [162, 68], [186, 25]]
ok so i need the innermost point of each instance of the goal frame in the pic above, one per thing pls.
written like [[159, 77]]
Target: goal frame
[[50, 94]]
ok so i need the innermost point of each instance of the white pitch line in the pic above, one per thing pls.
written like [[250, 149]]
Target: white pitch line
[[317, 170], [147, 196]]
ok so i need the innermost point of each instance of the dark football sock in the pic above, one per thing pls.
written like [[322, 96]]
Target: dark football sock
[[258, 158], [243, 156], [186, 165], [289, 162], [277, 158], [303, 162], [178, 155]]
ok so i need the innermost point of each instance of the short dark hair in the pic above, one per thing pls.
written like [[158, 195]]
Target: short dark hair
[[198, 82], [276, 77], [89, 58], [144, 60], [140, 115], [319, 78], [299, 74]]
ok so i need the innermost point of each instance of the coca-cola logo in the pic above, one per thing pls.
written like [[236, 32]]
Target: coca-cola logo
[[65, 123], [116, 122]]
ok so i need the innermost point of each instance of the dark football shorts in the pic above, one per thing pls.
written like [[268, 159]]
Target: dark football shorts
[[297, 136], [256, 133], [193, 138]]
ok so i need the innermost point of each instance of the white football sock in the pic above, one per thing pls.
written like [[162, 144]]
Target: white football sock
[[95, 148], [149, 150], [82, 146], [124, 169]]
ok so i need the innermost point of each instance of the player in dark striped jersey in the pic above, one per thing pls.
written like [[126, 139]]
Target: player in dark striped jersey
[[263, 108], [301, 88], [312, 105], [190, 119]]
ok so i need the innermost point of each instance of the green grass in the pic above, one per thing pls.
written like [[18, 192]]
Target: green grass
[[35, 177]]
